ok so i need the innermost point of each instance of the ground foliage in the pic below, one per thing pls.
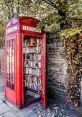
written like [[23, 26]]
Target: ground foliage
[[73, 51]]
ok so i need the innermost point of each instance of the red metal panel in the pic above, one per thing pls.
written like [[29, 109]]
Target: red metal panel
[[5, 67], [19, 70], [43, 70], [10, 95], [22, 72]]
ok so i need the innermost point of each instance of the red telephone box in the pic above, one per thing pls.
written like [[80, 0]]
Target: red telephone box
[[25, 65]]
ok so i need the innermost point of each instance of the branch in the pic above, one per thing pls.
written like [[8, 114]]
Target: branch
[[10, 8], [52, 4], [18, 8]]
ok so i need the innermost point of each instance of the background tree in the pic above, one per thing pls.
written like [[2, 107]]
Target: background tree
[[56, 15]]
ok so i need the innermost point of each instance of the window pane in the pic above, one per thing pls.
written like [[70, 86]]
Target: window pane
[[10, 64]]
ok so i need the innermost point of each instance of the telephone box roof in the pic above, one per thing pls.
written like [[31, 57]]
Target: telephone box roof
[[23, 19]]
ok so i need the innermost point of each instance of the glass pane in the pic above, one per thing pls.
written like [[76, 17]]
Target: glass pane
[[10, 64]]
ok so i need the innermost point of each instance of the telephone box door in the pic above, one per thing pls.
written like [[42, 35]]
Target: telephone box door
[[10, 70]]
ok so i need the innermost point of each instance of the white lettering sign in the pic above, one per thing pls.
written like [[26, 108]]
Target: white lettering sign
[[9, 30], [31, 29]]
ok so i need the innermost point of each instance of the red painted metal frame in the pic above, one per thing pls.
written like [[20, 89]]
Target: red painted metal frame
[[17, 96], [8, 92]]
